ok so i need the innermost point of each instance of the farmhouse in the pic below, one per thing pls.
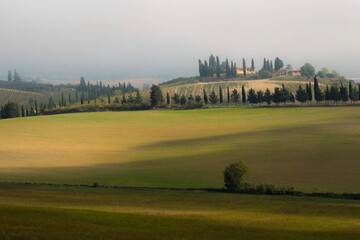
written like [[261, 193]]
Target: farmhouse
[[249, 71], [290, 72]]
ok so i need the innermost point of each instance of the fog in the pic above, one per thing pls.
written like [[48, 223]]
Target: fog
[[120, 39]]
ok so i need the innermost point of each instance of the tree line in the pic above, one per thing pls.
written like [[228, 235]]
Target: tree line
[[334, 93], [279, 95]]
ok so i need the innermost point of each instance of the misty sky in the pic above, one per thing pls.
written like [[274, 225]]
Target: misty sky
[[118, 39]]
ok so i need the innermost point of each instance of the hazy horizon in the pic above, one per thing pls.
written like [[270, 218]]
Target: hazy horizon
[[63, 40]]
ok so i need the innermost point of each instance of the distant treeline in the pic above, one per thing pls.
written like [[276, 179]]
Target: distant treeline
[[214, 68], [90, 94]]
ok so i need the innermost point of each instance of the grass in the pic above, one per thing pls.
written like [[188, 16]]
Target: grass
[[78, 213], [306, 147]]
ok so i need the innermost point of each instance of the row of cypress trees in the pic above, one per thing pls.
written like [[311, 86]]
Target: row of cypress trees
[[280, 95], [334, 93], [215, 67]]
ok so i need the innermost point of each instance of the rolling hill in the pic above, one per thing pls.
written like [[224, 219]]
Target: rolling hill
[[192, 86], [305, 147], [20, 97]]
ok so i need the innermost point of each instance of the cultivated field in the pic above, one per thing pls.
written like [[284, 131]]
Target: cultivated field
[[76, 213], [316, 147], [196, 89], [16, 96]]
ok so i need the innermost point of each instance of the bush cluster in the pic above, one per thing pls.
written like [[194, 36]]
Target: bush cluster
[[98, 108]]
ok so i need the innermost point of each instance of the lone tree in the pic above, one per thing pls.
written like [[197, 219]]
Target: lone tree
[[156, 97], [233, 175]]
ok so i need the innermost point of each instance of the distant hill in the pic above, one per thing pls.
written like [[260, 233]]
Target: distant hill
[[193, 85]]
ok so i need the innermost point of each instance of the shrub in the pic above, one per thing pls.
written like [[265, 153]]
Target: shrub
[[233, 176], [10, 110]]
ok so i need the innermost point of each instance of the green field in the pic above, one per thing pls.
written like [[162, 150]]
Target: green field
[[310, 148], [79, 213]]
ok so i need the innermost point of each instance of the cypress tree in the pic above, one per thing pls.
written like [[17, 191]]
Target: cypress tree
[[27, 112], [22, 111], [335, 94], [70, 101], [205, 97], [235, 96], [243, 94], [220, 95], [109, 100], [156, 97], [167, 98], [62, 99], [234, 72], [327, 94], [310, 93], [277, 95], [344, 93], [9, 76], [267, 96], [232, 69], [123, 101], [260, 96], [213, 98], [228, 95], [182, 100], [76, 96], [252, 65], [244, 67], [201, 69], [252, 98], [218, 68], [31, 111], [227, 68], [206, 72], [176, 98], [36, 107], [138, 98], [301, 95], [351, 95], [319, 95], [264, 64], [51, 103]]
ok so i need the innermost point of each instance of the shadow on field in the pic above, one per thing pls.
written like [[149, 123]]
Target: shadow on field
[[306, 156]]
